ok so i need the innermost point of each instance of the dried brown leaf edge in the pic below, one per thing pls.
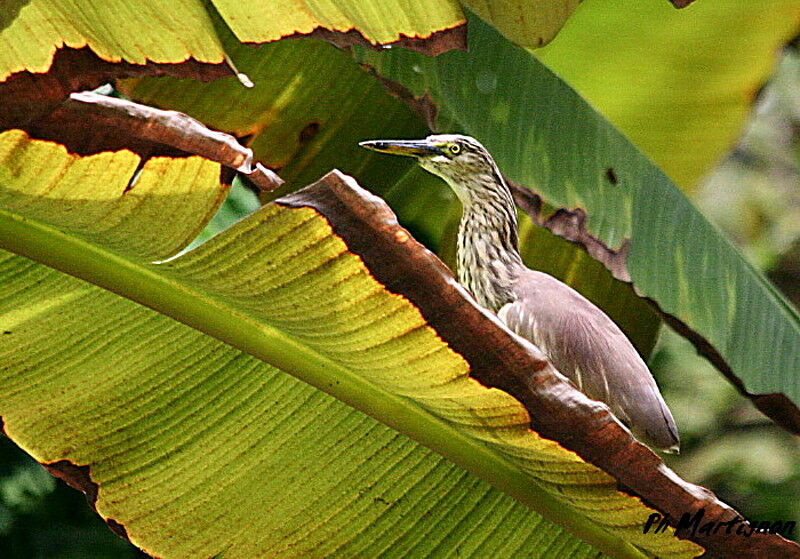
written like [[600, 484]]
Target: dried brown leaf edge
[[499, 359]]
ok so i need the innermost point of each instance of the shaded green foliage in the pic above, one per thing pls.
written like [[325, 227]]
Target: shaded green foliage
[[41, 518]]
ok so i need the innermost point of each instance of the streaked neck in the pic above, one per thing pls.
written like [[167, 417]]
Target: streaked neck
[[488, 259]]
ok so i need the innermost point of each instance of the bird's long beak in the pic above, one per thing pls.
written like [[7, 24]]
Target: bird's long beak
[[414, 148]]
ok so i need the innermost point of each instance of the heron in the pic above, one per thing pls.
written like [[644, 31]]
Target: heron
[[578, 338]]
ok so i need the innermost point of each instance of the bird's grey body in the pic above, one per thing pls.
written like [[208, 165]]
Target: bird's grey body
[[586, 346], [581, 341]]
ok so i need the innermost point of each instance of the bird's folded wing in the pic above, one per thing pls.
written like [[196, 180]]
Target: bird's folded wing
[[585, 345]]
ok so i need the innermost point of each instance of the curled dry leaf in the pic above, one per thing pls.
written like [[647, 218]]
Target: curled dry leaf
[[26, 96], [173, 129], [89, 123]]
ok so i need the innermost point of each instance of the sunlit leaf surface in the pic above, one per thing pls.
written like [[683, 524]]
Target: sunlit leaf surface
[[147, 30], [545, 137], [368, 21], [160, 414], [678, 83], [528, 24]]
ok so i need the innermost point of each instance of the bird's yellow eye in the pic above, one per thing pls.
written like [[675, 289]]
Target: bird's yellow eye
[[455, 149]]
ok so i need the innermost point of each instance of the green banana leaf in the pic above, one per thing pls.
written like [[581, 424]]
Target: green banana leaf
[[49, 48], [32, 32], [187, 446], [159, 446], [524, 23], [432, 26], [306, 119], [679, 84], [545, 137]]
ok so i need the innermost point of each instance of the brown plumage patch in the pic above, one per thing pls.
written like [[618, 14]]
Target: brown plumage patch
[[570, 224]]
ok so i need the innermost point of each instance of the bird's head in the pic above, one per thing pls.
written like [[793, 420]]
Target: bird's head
[[460, 160]]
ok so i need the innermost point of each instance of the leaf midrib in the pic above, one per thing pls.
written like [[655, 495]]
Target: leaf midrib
[[111, 271]]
